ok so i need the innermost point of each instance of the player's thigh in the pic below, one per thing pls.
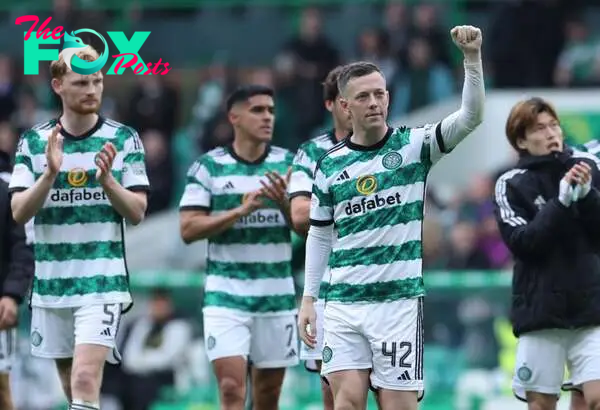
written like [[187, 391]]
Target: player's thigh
[[540, 363], [583, 356], [396, 339], [274, 342], [577, 401], [349, 388], [52, 333], [96, 328], [8, 346], [344, 345], [227, 335], [312, 354]]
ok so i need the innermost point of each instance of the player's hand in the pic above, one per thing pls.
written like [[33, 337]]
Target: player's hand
[[307, 322], [468, 39], [8, 312], [576, 184], [582, 176], [250, 203], [54, 151], [276, 189], [104, 161]]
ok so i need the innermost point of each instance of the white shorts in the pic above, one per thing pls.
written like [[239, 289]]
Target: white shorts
[[56, 332], [384, 337], [8, 349], [313, 355], [268, 342], [542, 355]]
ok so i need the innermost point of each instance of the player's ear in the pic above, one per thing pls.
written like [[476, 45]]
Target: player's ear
[[329, 105], [522, 143], [56, 84], [233, 117], [344, 104]]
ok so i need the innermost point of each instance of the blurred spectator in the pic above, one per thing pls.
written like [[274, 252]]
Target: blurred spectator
[[374, 46], [491, 244], [314, 56], [8, 142], [579, 62], [395, 26], [29, 112], [159, 167], [153, 105], [215, 84], [513, 38], [424, 81], [463, 253], [425, 25], [433, 245], [8, 89], [154, 348]]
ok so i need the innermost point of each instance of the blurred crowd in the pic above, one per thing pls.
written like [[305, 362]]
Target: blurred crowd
[[177, 120]]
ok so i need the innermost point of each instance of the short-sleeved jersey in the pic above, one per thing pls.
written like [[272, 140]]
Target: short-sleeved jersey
[[303, 171], [375, 196], [79, 237], [249, 267]]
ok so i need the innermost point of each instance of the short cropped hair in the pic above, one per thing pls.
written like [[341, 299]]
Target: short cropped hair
[[58, 68], [245, 92], [523, 116], [355, 70], [330, 85]]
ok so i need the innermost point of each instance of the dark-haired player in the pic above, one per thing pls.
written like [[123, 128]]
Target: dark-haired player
[[236, 197]]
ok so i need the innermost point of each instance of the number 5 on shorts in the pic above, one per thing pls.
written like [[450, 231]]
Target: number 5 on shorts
[[110, 314], [405, 349]]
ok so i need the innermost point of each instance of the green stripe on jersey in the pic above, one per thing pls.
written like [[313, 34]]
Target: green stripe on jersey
[[275, 234], [380, 218], [377, 292], [249, 264], [79, 247], [64, 252], [62, 287], [249, 271], [255, 304], [376, 198], [82, 214]]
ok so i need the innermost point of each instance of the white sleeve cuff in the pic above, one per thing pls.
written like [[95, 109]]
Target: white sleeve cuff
[[318, 248]]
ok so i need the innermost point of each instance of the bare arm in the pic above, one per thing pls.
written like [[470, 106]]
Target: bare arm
[[25, 204], [300, 214], [131, 205], [198, 225]]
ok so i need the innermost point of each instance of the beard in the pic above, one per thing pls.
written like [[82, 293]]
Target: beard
[[85, 109]]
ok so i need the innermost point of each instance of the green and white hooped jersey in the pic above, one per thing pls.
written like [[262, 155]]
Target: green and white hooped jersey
[[303, 171], [374, 196], [249, 268], [79, 237]]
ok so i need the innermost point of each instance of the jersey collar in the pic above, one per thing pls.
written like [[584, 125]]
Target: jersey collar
[[374, 147], [89, 133], [257, 161]]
